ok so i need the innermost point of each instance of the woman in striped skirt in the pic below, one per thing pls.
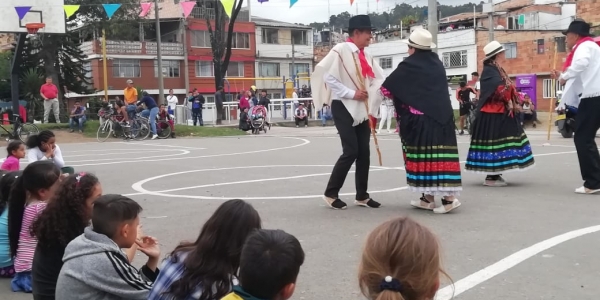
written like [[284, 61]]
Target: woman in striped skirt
[[498, 143], [419, 90]]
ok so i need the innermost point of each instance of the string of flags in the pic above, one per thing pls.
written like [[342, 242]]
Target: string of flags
[[110, 9]]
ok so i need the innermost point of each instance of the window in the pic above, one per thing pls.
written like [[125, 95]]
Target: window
[[299, 37], [126, 68], [240, 41], [561, 44], [276, 96], [547, 89], [540, 46], [299, 70], [270, 36], [170, 68], [200, 39], [385, 62], [204, 69], [235, 69], [455, 59], [268, 70], [87, 67], [510, 50]]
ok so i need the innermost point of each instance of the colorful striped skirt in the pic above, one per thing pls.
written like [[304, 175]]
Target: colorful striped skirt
[[430, 155], [498, 145]]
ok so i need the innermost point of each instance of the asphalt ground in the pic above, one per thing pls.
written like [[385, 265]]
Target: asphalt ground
[[534, 239]]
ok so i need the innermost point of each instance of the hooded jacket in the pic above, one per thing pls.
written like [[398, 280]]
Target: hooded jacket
[[239, 294], [94, 267]]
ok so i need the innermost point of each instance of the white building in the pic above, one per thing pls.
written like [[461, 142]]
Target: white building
[[278, 45], [457, 50]]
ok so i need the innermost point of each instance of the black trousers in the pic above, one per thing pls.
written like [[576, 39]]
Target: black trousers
[[587, 123], [356, 148], [303, 121]]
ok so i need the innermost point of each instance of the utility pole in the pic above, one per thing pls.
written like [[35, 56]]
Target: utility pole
[[293, 62], [491, 20], [432, 21], [186, 74], [161, 84]]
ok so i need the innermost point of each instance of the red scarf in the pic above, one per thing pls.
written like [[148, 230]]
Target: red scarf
[[569, 59], [367, 71]]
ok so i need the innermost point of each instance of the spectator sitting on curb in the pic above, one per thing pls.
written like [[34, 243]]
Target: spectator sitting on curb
[[300, 115]]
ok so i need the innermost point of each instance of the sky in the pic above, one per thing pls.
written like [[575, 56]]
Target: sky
[[307, 11]]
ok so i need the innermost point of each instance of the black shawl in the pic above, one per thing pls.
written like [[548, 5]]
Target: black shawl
[[491, 79], [420, 82]]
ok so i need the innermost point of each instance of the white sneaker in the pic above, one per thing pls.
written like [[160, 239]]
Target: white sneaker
[[584, 190], [444, 209], [155, 136], [495, 183]]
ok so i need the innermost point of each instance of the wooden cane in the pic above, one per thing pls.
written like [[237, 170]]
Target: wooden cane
[[552, 99], [366, 102]]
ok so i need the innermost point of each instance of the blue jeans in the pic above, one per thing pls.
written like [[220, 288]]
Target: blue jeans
[[131, 111], [324, 119], [77, 120], [151, 115]]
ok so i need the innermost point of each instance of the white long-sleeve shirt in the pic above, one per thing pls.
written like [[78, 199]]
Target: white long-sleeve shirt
[[35, 154], [586, 66], [172, 101], [338, 90]]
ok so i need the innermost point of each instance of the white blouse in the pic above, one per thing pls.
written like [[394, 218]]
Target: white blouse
[[35, 154]]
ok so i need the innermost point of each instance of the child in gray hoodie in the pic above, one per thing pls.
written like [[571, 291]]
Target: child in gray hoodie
[[96, 268]]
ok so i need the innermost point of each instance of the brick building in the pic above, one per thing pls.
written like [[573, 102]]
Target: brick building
[[589, 10], [529, 52]]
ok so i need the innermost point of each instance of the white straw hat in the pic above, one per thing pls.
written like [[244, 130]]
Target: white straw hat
[[420, 39], [491, 49]]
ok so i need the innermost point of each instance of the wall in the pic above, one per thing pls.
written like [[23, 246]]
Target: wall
[[206, 85], [527, 60], [284, 48], [589, 10], [147, 80]]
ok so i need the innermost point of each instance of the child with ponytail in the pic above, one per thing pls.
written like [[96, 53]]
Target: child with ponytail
[[7, 270], [401, 261], [27, 199]]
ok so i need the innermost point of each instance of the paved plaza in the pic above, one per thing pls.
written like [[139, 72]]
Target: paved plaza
[[534, 239]]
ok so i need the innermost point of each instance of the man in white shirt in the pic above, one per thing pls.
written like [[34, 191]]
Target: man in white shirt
[[475, 84], [172, 101], [301, 115], [582, 73], [350, 77]]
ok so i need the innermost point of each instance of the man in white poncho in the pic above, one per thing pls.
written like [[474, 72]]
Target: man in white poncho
[[345, 79]]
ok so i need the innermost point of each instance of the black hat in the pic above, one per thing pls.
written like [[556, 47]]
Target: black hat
[[579, 27], [360, 22]]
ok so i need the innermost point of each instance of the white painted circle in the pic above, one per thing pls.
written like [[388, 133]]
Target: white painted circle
[[138, 186]]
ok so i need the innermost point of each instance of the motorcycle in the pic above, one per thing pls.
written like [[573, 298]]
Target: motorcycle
[[565, 121]]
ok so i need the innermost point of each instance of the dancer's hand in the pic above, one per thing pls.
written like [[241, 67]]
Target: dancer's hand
[[562, 81], [360, 95], [555, 74]]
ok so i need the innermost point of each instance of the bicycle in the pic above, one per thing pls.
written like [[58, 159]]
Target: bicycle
[[22, 130], [108, 128]]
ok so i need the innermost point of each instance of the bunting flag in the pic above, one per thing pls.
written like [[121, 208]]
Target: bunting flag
[[70, 10], [228, 6], [110, 9], [262, 1], [351, 2], [145, 9], [292, 2], [22, 11], [187, 7]]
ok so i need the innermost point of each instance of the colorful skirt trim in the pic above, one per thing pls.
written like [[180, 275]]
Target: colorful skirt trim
[[498, 145], [430, 156]]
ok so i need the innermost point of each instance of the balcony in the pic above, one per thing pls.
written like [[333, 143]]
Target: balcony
[[131, 48], [204, 13]]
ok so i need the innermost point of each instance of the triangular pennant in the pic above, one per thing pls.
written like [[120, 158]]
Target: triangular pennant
[[22, 11], [110, 9], [187, 7], [145, 9], [228, 6], [71, 10], [351, 2], [292, 2]]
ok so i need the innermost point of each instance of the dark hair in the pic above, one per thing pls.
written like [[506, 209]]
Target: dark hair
[[13, 146], [271, 259], [38, 175], [6, 183], [215, 256], [263, 91], [110, 211], [474, 74], [417, 50], [220, 88], [36, 140], [120, 103], [77, 101], [462, 84], [66, 214], [491, 59], [144, 93]]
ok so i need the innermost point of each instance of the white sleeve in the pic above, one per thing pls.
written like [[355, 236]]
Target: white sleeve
[[581, 60], [338, 89], [32, 155], [58, 158]]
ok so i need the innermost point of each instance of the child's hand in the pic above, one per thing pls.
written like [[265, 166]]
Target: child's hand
[[149, 246]]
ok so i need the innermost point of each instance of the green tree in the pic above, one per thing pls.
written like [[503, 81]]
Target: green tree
[[29, 86], [221, 36], [5, 58]]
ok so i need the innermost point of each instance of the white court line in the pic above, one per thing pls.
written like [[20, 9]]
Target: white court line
[[129, 151], [304, 142], [138, 186], [127, 159], [504, 264], [168, 146]]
